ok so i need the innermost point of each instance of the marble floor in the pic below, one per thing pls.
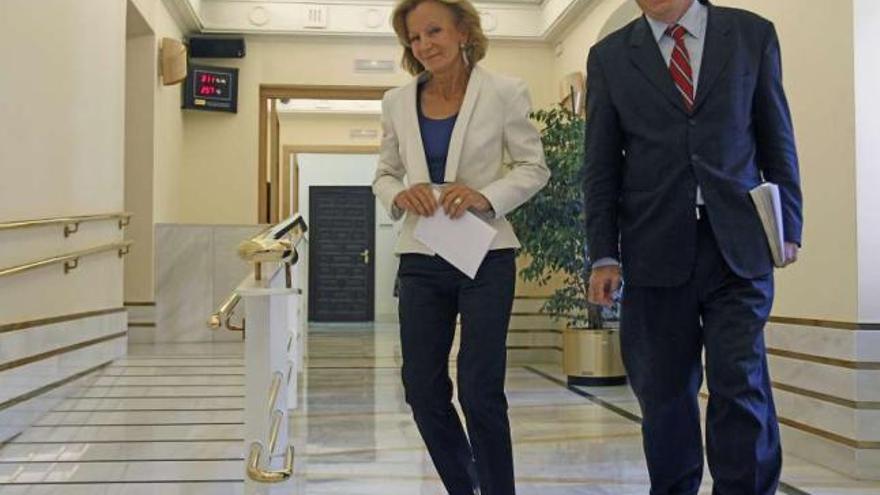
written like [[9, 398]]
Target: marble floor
[[168, 419]]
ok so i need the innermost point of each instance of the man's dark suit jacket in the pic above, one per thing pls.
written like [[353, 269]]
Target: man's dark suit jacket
[[645, 154]]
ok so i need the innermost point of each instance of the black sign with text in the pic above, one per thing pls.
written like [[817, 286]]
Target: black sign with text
[[211, 88]]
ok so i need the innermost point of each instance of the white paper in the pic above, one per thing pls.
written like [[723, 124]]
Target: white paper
[[462, 242], [769, 206]]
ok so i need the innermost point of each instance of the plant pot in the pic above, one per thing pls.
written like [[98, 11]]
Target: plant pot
[[592, 357]]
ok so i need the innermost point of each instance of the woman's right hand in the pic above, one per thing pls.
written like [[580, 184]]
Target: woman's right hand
[[418, 199]]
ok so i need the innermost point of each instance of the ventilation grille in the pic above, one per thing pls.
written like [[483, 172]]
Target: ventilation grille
[[316, 17]]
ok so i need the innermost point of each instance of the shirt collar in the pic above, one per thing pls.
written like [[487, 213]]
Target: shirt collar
[[693, 21]]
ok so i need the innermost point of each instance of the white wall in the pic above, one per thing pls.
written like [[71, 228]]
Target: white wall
[[140, 82], [354, 170], [299, 129], [61, 149], [155, 132], [866, 16]]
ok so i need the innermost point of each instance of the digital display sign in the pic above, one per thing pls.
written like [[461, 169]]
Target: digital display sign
[[211, 88]]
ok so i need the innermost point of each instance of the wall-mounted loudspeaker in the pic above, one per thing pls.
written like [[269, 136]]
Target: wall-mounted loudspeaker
[[172, 61], [216, 47]]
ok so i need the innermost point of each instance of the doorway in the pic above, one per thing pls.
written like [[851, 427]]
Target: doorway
[[269, 169]]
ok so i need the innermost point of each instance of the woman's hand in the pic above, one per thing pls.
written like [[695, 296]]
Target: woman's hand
[[457, 198], [418, 199]]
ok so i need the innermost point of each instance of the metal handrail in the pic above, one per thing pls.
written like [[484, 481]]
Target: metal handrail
[[274, 243], [71, 223], [277, 417], [224, 313], [255, 473], [71, 260], [274, 388]]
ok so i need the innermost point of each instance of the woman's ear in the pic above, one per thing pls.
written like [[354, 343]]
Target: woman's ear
[[463, 34]]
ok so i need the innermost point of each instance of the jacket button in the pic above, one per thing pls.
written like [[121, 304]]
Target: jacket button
[[695, 158], [692, 122]]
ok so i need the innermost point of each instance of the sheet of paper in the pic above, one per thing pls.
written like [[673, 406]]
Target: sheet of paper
[[462, 242]]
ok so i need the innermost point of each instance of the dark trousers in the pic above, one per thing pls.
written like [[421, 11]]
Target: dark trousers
[[432, 294], [663, 334]]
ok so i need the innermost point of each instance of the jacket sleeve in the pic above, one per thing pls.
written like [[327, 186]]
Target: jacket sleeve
[[390, 170], [603, 157], [528, 170], [776, 153]]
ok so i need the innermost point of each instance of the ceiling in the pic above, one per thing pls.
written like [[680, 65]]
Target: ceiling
[[524, 20]]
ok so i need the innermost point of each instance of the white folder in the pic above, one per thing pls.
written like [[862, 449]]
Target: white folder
[[769, 206]]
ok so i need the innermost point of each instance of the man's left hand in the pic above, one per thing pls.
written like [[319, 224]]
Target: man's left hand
[[790, 253]]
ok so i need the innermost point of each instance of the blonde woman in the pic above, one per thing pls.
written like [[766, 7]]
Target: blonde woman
[[464, 131]]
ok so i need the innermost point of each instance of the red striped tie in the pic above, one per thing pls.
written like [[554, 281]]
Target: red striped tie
[[680, 66]]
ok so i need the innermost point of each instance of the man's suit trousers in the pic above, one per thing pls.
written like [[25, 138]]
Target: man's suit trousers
[[664, 332]]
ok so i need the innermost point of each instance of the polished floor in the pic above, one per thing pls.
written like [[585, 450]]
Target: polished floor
[[168, 419]]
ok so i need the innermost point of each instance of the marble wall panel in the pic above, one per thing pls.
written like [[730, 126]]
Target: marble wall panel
[[837, 381], [184, 283], [24, 379], [28, 342]]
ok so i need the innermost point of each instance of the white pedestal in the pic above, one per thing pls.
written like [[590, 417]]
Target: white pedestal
[[270, 317]]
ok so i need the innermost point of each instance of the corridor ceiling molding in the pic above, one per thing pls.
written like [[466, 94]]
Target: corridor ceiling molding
[[523, 20]]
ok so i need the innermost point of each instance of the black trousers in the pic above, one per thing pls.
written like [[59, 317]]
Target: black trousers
[[664, 331], [432, 294]]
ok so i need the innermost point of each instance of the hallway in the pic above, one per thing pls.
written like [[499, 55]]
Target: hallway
[[168, 419]]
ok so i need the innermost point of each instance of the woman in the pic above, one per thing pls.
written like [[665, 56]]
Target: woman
[[449, 129]]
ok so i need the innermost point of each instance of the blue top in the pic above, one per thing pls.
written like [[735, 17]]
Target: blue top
[[436, 134]]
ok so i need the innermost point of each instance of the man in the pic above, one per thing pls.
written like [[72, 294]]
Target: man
[[685, 114]]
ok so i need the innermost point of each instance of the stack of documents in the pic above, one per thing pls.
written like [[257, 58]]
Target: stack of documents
[[769, 206]]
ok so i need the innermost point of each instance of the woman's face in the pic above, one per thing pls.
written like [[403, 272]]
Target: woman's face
[[434, 38]]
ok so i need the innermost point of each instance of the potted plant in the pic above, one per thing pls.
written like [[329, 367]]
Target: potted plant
[[551, 230]]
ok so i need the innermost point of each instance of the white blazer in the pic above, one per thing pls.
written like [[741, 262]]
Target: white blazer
[[494, 149]]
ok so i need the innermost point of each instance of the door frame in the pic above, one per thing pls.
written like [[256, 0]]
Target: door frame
[[290, 201], [268, 197]]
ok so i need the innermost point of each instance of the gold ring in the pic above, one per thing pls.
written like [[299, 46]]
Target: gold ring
[[456, 201]]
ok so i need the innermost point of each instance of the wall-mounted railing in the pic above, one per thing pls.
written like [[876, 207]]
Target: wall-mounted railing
[[71, 224], [70, 260]]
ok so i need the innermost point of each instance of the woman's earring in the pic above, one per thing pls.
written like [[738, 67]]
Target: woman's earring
[[463, 48]]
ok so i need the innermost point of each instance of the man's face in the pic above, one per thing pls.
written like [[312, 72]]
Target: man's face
[[664, 10]]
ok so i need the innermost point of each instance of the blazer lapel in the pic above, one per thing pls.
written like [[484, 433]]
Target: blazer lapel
[[456, 142], [418, 173], [716, 53], [646, 56]]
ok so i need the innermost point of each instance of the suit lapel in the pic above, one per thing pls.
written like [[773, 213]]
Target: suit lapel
[[716, 53], [646, 56], [418, 173], [456, 142]]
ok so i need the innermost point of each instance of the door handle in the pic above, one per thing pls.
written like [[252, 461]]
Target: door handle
[[366, 256]]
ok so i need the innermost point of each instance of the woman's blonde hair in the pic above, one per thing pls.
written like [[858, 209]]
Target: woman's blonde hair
[[467, 19]]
